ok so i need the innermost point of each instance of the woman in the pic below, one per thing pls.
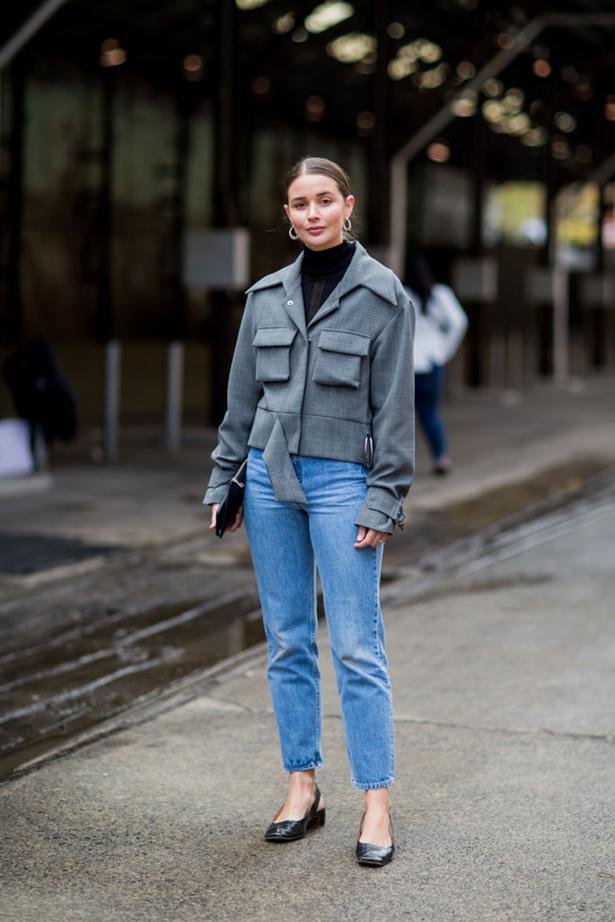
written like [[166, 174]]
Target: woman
[[440, 326], [319, 390]]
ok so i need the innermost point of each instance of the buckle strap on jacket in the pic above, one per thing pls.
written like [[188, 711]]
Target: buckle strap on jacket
[[276, 456]]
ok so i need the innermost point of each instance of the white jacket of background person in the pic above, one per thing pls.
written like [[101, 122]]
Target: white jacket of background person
[[440, 326]]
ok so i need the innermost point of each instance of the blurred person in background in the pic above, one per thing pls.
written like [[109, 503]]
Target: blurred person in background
[[441, 324], [318, 389]]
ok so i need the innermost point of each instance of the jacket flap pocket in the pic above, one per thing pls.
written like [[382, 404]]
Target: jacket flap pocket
[[342, 341], [274, 336]]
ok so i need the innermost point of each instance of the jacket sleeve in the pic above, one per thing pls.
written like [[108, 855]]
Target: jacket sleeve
[[392, 402], [242, 397]]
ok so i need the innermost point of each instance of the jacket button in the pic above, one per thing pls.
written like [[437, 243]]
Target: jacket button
[[289, 302]]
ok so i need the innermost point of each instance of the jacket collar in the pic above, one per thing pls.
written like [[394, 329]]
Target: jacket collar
[[362, 270]]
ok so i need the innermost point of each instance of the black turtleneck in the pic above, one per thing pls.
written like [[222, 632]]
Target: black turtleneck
[[321, 272]]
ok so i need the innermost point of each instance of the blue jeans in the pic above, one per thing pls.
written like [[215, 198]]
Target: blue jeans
[[287, 542], [427, 392]]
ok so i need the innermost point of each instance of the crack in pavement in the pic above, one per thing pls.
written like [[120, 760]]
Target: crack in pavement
[[445, 724]]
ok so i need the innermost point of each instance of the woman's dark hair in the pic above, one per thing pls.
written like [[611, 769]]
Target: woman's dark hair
[[419, 278]]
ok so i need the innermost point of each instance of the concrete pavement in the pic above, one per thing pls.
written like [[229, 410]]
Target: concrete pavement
[[503, 682], [502, 670]]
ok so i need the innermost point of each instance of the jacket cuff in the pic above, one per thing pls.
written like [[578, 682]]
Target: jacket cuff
[[385, 502], [215, 494], [371, 518]]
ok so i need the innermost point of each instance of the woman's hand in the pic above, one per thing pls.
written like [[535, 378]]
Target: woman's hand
[[369, 537], [236, 524]]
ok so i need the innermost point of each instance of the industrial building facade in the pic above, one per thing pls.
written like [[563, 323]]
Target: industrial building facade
[[128, 130]]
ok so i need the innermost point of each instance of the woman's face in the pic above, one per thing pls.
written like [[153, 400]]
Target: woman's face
[[317, 210]]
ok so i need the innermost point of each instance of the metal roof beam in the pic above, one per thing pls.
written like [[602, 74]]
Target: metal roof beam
[[29, 29], [445, 115]]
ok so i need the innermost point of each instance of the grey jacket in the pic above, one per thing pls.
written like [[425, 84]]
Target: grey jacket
[[320, 390]]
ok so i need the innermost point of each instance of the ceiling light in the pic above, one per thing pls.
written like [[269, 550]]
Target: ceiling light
[[366, 120], [193, 67], [513, 99], [583, 153], [465, 105], [249, 4], [465, 70], [396, 30], [492, 87], [261, 85], [439, 151], [535, 137], [560, 148], [351, 47], [431, 79], [409, 52], [518, 124], [493, 110], [565, 121], [401, 67], [583, 89], [429, 52], [300, 35], [284, 23], [193, 62], [327, 15], [504, 40], [315, 108], [541, 67], [111, 53]]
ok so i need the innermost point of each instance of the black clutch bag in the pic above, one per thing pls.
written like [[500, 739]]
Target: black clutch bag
[[229, 507]]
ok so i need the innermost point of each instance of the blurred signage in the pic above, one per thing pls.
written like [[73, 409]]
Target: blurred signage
[[444, 215], [476, 279], [216, 259], [598, 290]]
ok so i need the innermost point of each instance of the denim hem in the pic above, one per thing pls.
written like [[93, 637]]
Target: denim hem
[[373, 785], [308, 766]]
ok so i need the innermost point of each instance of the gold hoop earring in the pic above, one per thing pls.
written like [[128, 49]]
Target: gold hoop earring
[[347, 224], [292, 233]]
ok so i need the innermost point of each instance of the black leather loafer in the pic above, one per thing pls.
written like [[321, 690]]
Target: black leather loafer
[[375, 855], [290, 830]]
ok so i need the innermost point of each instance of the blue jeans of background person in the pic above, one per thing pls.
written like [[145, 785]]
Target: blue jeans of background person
[[427, 393], [287, 542]]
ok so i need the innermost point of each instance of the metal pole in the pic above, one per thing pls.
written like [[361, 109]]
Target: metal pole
[[175, 377], [29, 29], [226, 198], [113, 357], [14, 320], [177, 315], [561, 345], [106, 317], [443, 117], [378, 173]]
